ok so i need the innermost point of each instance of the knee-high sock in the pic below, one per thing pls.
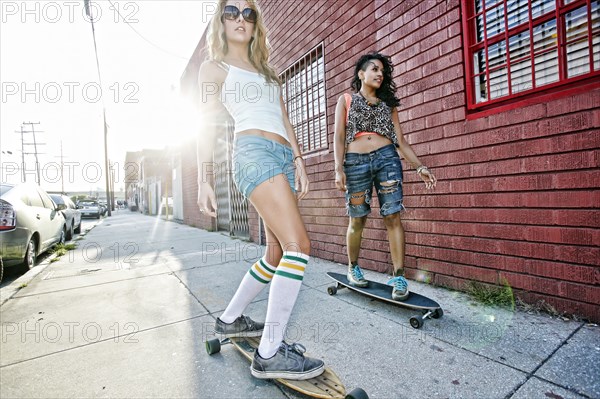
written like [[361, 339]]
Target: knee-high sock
[[282, 297], [257, 278]]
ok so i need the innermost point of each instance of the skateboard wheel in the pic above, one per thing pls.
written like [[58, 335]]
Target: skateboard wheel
[[416, 322], [437, 313], [213, 346], [332, 290], [357, 393]]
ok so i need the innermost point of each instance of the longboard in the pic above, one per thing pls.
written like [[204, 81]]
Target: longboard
[[383, 292], [325, 386]]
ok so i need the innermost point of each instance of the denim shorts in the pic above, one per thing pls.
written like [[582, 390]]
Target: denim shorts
[[381, 168], [257, 160]]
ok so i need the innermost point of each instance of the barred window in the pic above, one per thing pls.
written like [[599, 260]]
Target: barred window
[[517, 47], [304, 95]]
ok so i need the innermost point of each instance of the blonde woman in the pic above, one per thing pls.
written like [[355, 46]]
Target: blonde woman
[[269, 171]]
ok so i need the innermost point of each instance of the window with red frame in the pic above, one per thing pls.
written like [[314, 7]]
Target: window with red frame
[[515, 48]]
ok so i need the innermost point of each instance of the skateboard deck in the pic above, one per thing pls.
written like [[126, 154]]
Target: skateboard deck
[[326, 385], [383, 292]]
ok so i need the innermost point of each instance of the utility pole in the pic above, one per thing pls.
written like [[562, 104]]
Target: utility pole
[[86, 4], [167, 195], [35, 150], [23, 156], [62, 169], [111, 199], [107, 166]]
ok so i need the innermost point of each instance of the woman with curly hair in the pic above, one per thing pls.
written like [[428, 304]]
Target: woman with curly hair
[[368, 142], [269, 171]]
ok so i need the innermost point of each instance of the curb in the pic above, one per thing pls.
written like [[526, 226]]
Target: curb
[[10, 290]]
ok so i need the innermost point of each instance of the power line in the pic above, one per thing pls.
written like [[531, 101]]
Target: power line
[[142, 36], [106, 167]]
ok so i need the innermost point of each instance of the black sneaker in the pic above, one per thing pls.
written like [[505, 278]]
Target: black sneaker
[[243, 326], [289, 362]]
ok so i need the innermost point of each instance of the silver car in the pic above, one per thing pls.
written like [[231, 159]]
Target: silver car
[[71, 213], [89, 208], [30, 224]]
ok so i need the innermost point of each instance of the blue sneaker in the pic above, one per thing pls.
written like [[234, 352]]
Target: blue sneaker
[[356, 277], [400, 291]]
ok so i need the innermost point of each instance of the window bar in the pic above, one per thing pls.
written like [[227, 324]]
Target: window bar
[[286, 89], [303, 97], [317, 99], [293, 99], [290, 99], [294, 79], [531, 47], [285, 83], [305, 90], [573, 41], [316, 96], [560, 49], [553, 48], [590, 35], [320, 112], [508, 69], [298, 103], [487, 57], [283, 89], [301, 82], [309, 105], [469, 50], [291, 95], [312, 103]]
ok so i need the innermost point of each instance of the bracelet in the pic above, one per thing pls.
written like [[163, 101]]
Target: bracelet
[[296, 157], [420, 169]]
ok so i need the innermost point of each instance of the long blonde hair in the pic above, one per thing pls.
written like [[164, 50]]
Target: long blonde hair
[[258, 50]]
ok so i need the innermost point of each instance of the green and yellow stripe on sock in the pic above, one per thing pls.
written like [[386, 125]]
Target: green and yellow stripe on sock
[[262, 271], [292, 265]]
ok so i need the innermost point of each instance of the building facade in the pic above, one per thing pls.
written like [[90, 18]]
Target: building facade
[[501, 99], [148, 181]]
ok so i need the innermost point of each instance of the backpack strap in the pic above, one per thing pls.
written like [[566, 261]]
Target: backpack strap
[[348, 98]]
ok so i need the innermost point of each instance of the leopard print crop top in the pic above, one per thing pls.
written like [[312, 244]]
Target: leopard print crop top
[[369, 118]]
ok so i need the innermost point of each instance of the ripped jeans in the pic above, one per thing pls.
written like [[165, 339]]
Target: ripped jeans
[[381, 168]]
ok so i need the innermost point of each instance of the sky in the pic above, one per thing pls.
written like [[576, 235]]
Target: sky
[[49, 75]]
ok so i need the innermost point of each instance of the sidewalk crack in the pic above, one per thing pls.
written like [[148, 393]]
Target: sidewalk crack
[[532, 373]]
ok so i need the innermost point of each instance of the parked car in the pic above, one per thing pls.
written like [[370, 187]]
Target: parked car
[[103, 208], [71, 213], [89, 208], [30, 224]]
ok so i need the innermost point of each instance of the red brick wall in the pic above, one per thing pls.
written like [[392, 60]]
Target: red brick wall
[[189, 172], [518, 191], [189, 164]]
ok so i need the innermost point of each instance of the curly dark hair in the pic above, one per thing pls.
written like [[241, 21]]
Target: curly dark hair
[[387, 91]]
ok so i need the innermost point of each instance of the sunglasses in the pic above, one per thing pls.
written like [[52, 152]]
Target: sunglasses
[[232, 13]]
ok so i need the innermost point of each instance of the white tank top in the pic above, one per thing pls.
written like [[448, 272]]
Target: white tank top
[[252, 102]]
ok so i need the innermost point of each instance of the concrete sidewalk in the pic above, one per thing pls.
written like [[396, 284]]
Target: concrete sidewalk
[[126, 314]]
